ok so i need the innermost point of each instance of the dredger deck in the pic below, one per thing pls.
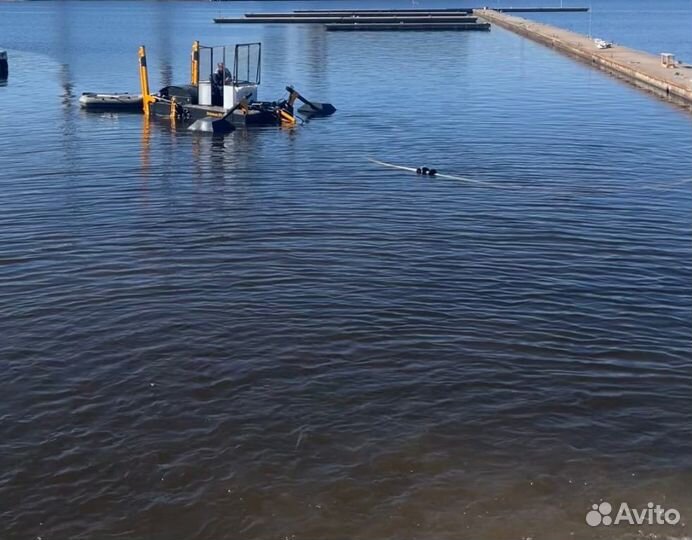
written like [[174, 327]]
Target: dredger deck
[[219, 100]]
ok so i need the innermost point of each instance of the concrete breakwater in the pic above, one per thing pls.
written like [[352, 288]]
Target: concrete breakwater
[[541, 9], [672, 82]]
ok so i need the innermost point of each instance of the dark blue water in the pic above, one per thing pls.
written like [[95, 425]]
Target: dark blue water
[[269, 336]]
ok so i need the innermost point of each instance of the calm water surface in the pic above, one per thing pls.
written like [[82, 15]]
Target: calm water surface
[[655, 27], [267, 336]]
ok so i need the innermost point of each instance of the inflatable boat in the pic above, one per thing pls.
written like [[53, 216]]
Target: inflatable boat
[[111, 102]]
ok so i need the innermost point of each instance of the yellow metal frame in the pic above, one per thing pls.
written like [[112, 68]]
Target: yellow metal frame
[[147, 98], [194, 64], [287, 119]]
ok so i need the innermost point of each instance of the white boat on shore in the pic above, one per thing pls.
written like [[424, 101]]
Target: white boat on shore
[[602, 44]]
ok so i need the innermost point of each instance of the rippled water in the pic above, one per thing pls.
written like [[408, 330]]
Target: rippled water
[[268, 336]]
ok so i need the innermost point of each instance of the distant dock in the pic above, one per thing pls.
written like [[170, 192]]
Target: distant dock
[[383, 19], [406, 26], [438, 19], [370, 19], [671, 81], [366, 12]]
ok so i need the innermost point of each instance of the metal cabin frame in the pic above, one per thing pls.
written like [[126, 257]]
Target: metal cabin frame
[[245, 74], [227, 100]]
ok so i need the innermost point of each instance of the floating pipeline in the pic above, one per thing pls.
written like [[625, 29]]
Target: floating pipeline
[[426, 172]]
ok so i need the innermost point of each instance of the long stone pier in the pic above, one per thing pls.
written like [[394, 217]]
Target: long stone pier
[[644, 70]]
